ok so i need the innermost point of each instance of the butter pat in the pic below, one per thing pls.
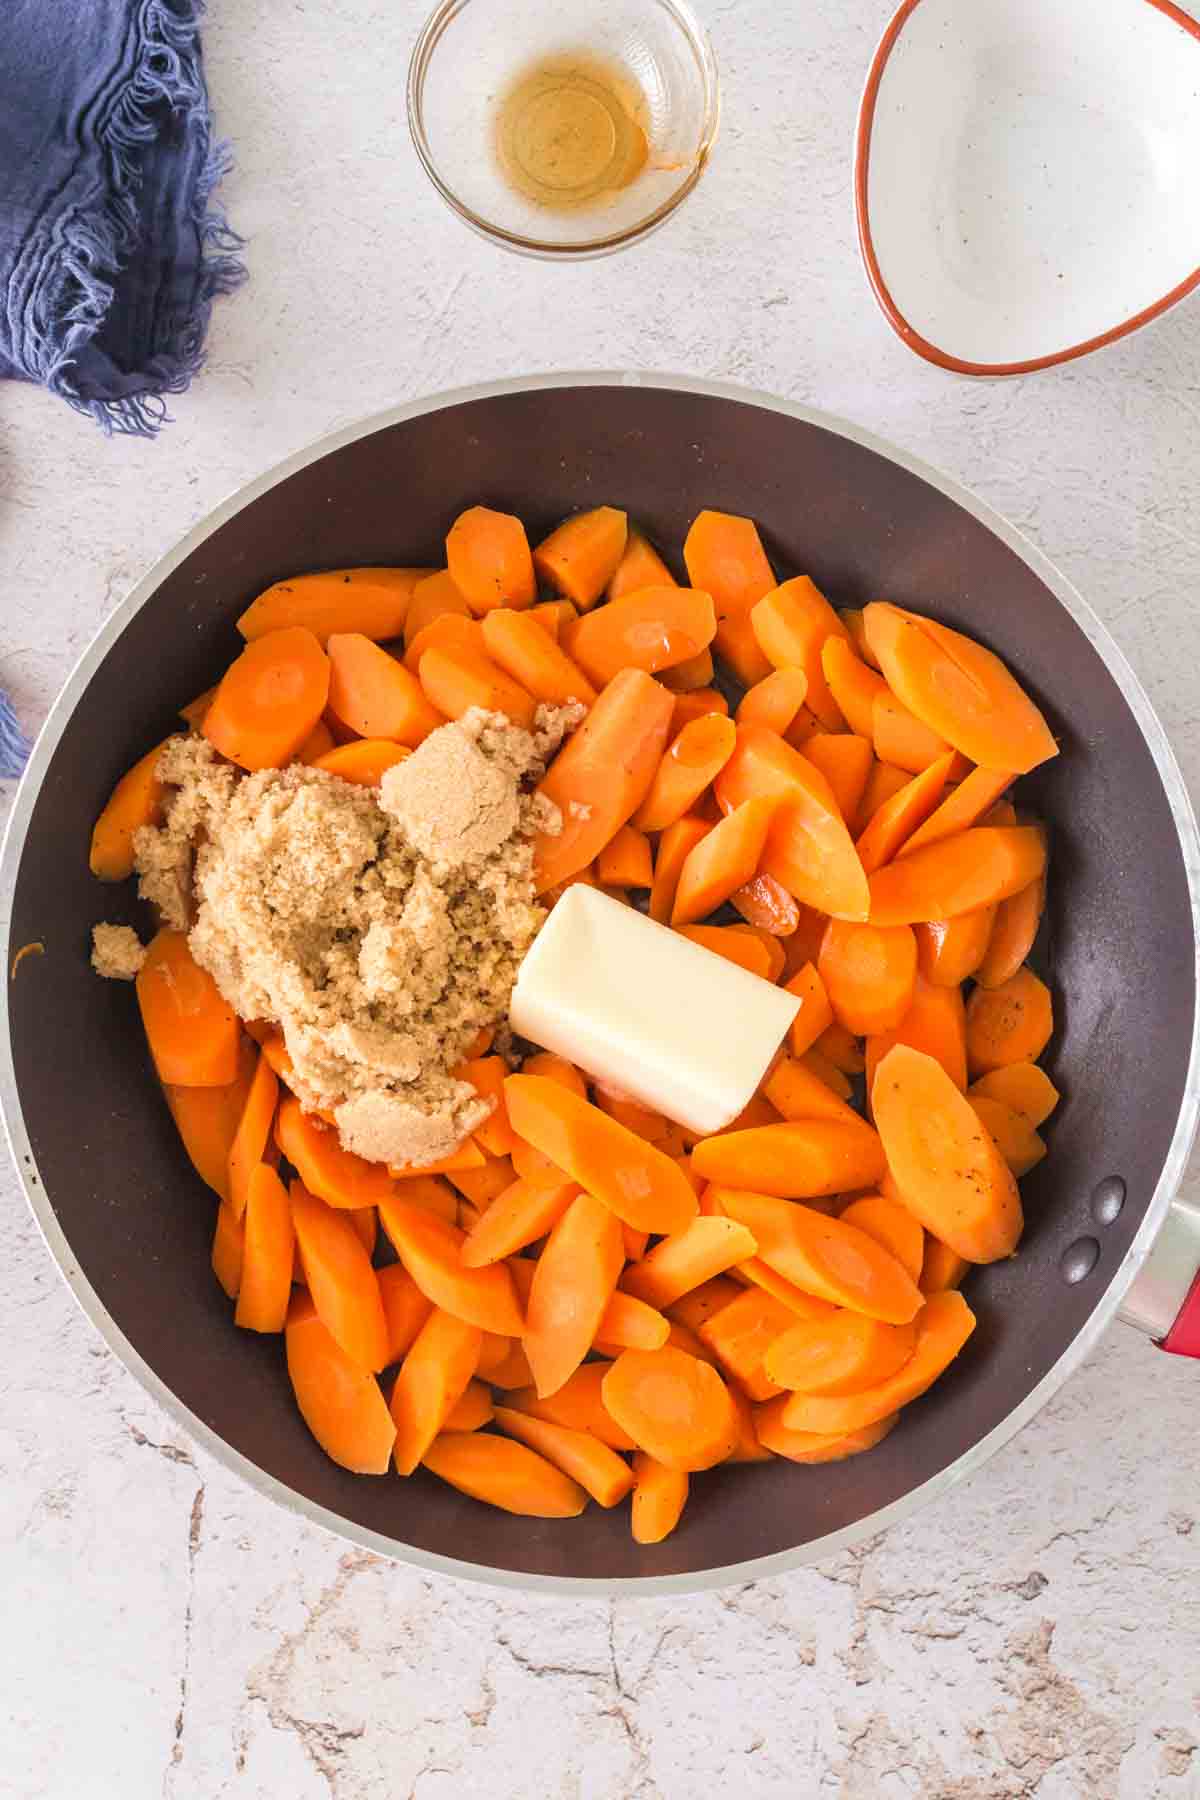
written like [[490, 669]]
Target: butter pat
[[646, 1011]]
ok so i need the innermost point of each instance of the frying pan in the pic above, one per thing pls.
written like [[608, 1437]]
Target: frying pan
[[129, 1222]]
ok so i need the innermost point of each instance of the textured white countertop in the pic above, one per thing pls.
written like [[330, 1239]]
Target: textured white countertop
[[165, 1632]]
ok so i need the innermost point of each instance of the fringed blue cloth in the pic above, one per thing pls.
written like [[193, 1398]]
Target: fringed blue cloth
[[111, 248]]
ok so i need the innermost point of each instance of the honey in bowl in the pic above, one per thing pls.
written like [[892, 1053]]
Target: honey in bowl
[[569, 131]]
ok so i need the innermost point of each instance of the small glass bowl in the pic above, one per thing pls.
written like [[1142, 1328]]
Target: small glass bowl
[[470, 54]]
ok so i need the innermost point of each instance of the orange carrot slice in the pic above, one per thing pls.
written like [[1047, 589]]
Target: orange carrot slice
[[707, 1247], [431, 1251], [434, 598], [699, 1304], [579, 1403], [963, 807], [467, 1156], [429, 1384], [640, 566], [958, 874], [692, 761], [193, 1033], [725, 557], [935, 1023], [207, 1119], [363, 763], [700, 704], [674, 847], [1016, 1140], [659, 1497], [524, 1212], [883, 784], [519, 645], [252, 1135], [581, 557], [1012, 935], [692, 675], [776, 701], [625, 861], [855, 687], [136, 801], [335, 1175], [797, 1092], [269, 1251], [455, 680], [269, 699], [794, 1161], [404, 1307], [735, 946], [943, 1326], [791, 624], [950, 950], [228, 1249], [959, 689], [901, 739], [374, 601], [1024, 1087], [816, 1446], [740, 1334], [943, 1268], [869, 972], [631, 1324], [473, 1409], [637, 1182], [431, 1194], [723, 860], [643, 1121], [897, 819], [556, 1068], [339, 1276], [846, 762], [375, 695], [446, 631], [576, 1274], [1008, 1024], [339, 1401], [487, 555], [891, 1225], [650, 630], [672, 1405], [585, 1459], [825, 1257], [504, 1474], [602, 773], [841, 1355], [946, 1168], [815, 1015]]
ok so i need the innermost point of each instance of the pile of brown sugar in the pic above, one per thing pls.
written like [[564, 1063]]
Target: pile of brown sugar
[[382, 929]]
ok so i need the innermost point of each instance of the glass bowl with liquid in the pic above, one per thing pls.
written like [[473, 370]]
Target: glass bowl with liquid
[[563, 128]]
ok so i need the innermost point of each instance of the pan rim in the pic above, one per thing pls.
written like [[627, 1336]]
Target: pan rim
[[754, 1569]]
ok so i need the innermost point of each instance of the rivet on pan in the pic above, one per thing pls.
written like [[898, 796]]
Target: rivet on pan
[[1108, 1197], [1079, 1259]]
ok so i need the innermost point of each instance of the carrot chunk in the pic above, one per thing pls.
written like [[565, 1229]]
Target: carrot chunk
[[579, 1403], [673, 1406], [705, 1248], [269, 1250], [840, 1355], [651, 630], [375, 695], [1023, 1086], [431, 1251], [891, 1225], [1012, 935], [269, 699], [1008, 1024], [692, 761], [192, 1031], [429, 1384], [899, 813], [404, 1307], [855, 687], [846, 762], [434, 598], [815, 1446], [740, 1334], [455, 680], [584, 1458], [504, 1474], [136, 801], [487, 555], [517, 643], [826, 1257], [1016, 1139], [626, 860], [674, 847], [335, 1175], [957, 874], [934, 1023], [364, 763], [659, 1497], [724, 859], [640, 566], [869, 972], [572, 1285], [252, 1135], [631, 1324], [792, 624], [963, 807], [207, 1119], [950, 950], [943, 1325], [794, 1161], [339, 1276], [524, 1212], [340, 1402], [582, 556], [374, 601]]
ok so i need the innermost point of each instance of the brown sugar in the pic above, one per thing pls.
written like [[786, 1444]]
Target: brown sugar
[[117, 952]]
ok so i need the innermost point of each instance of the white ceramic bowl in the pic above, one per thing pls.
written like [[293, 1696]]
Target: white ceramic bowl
[[1026, 176]]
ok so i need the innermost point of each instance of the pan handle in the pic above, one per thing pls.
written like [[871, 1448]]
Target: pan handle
[[1164, 1300]]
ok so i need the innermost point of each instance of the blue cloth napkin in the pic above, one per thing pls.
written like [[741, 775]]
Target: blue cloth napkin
[[111, 249]]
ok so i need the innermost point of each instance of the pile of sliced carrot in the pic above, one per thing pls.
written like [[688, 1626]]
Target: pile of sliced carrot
[[585, 1302]]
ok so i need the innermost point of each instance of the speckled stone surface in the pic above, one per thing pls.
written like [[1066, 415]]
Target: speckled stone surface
[[163, 1631]]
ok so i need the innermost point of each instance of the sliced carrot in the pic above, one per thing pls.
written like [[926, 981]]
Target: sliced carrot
[[797, 1092], [487, 555], [552, 615], [1024, 1087], [828, 1073], [584, 1458], [473, 1409], [579, 1403], [950, 950], [944, 1324], [700, 1303], [700, 704], [194, 712], [319, 742], [804, 945], [207, 1119], [891, 1225], [494, 1351], [531, 1165], [846, 762], [269, 699], [631, 1177], [364, 763], [524, 1212], [431, 1194], [651, 630], [556, 1068], [959, 689], [582, 556], [766, 904], [901, 739], [339, 1276], [602, 773], [1019, 1144], [808, 847], [802, 727], [963, 807], [576, 1274], [869, 972], [625, 861], [825, 1257], [335, 1175], [841, 1047], [481, 1186], [943, 1268], [740, 1334], [775, 701], [673, 1405], [1003, 813], [375, 695], [517, 643], [228, 1249], [269, 1251], [467, 1156], [815, 1015], [706, 1248], [504, 1474], [725, 557], [726, 858], [455, 680], [694, 758], [1012, 936], [644, 1121], [794, 1161], [486, 1075], [759, 1274], [374, 601], [792, 624], [841, 1355], [976, 868], [404, 1307], [252, 1135], [815, 1446], [640, 566], [888, 828], [632, 1324], [659, 1497], [193, 1033], [946, 1167], [1008, 1024], [735, 946], [432, 599], [855, 687], [339, 1401], [883, 783], [852, 619], [431, 1251], [513, 1373], [776, 956], [135, 802], [674, 847], [738, 648], [935, 1023], [690, 676], [429, 1384]]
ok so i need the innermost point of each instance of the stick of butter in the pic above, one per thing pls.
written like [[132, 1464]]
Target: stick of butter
[[646, 1011]]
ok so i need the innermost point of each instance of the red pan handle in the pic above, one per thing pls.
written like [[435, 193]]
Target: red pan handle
[[1164, 1299], [1183, 1339]]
